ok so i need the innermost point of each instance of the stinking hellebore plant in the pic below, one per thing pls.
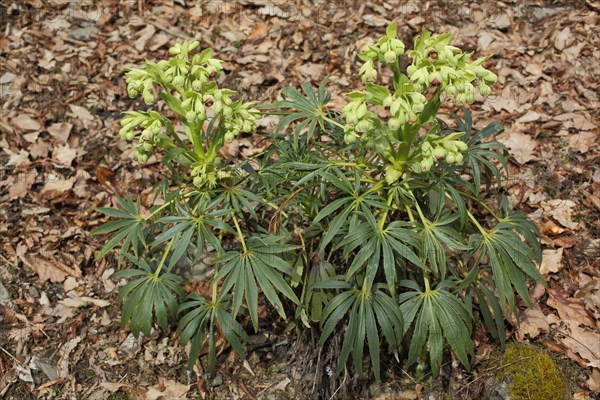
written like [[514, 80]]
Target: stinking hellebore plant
[[380, 218]]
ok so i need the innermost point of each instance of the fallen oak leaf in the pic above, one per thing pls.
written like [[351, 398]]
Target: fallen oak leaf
[[521, 146], [167, 389], [569, 308], [532, 323], [25, 123], [586, 344], [594, 382], [551, 261], [50, 270]]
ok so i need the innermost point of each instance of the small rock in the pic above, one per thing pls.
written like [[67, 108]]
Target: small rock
[[4, 295], [33, 292], [8, 77], [217, 381], [131, 344]]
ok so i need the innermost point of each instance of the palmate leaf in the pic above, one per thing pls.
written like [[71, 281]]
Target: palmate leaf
[[236, 198], [198, 322], [150, 296], [128, 228], [260, 266], [198, 223], [437, 237], [480, 154], [379, 247], [511, 259], [308, 109], [316, 299], [355, 204], [490, 309], [437, 316], [371, 313]]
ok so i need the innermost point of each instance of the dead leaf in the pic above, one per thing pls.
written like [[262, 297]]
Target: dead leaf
[[25, 123], [261, 30], [39, 149], [532, 323], [104, 175], [282, 385], [113, 386], [584, 343], [82, 114], [76, 302], [561, 211], [168, 390], [569, 308], [579, 121], [20, 159], [552, 229], [158, 41], [530, 116], [60, 131], [503, 102], [563, 39], [594, 382], [565, 241], [143, 36], [521, 146], [20, 184], [551, 261], [50, 270], [583, 141], [56, 186], [311, 70], [64, 155], [64, 359]]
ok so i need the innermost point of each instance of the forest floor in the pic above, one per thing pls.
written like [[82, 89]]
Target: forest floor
[[61, 96]]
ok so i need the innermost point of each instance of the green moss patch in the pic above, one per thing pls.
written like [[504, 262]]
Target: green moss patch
[[533, 374]]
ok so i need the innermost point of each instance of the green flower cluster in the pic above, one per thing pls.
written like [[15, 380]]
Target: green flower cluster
[[238, 116], [358, 117], [152, 123], [205, 174], [187, 84], [386, 50], [442, 148], [404, 107], [176, 73], [435, 62]]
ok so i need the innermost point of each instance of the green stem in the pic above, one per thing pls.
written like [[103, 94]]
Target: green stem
[[168, 203], [384, 214], [409, 212], [481, 203], [375, 187], [196, 138], [239, 231], [421, 216], [477, 224], [397, 72], [427, 288], [164, 257], [333, 122]]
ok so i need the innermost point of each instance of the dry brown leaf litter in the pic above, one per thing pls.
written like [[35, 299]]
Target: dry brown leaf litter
[[61, 92]]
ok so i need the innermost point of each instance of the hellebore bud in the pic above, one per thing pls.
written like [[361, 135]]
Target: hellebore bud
[[148, 97], [389, 56], [190, 116], [394, 124], [392, 175], [484, 89], [439, 153], [363, 126], [178, 80]]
